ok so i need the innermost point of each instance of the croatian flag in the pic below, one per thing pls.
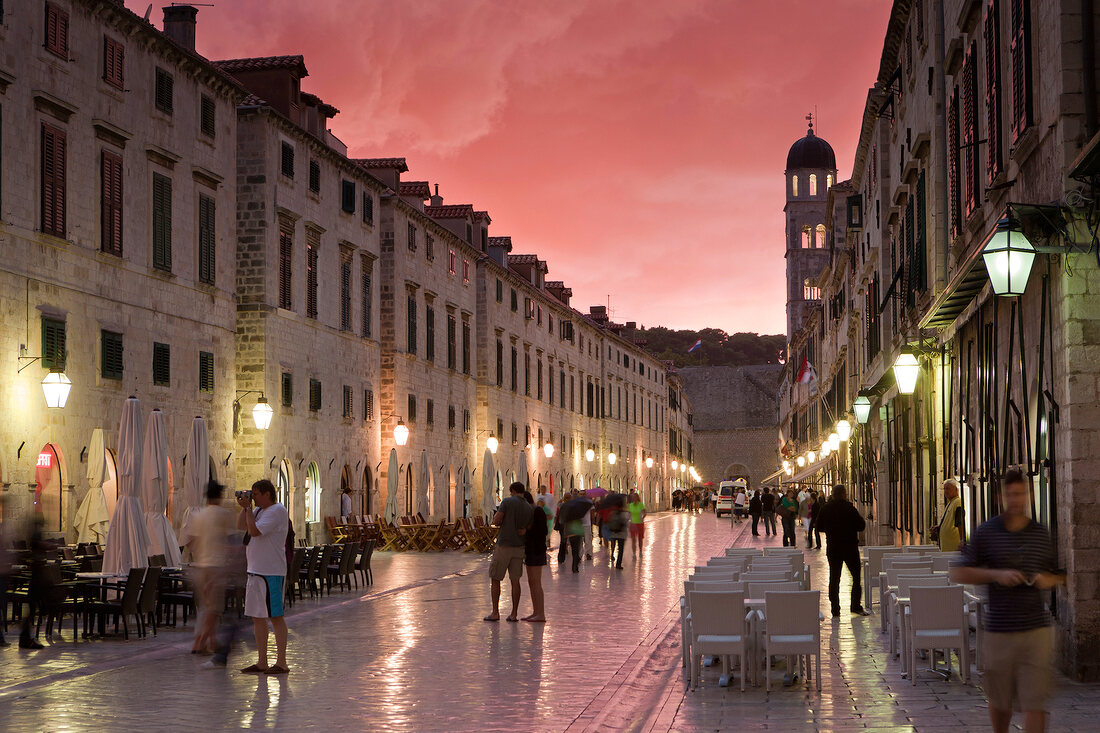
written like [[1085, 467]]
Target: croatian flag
[[696, 345], [807, 374]]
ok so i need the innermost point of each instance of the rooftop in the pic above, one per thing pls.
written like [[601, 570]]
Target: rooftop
[[420, 189], [398, 163], [449, 211], [264, 63]]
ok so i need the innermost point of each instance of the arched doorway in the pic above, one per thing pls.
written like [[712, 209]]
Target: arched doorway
[[313, 493], [345, 483], [735, 471], [282, 484], [47, 492], [110, 484], [365, 499], [410, 490]]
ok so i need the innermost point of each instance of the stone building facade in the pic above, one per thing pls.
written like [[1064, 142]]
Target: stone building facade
[[735, 421], [993, 119], [117, 208]]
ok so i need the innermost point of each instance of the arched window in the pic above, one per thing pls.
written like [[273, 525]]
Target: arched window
[[807, 241], [820, 240], [365, 503], [813, 184], [47, 492], [282, 484], [828, 181], [810, 292], [794, 185], [313, 493]]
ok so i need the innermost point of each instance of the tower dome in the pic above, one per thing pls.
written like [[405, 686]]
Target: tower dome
[[811, 152]]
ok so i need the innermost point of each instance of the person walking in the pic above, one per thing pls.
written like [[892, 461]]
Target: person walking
[[617, 525], [804, 507], [574, 535], [636, 507], [767, 506], [951, 530], [559, 525], [841, 522], [513, 517], [265, 550], [206, 535], [788, 511], [586, 521], [813, 532], [1013, 556], [7, 559], [535, 560], [756, 508], [739, 502], [345, 504]]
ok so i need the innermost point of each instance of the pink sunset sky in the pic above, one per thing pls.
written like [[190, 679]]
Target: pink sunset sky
[[638, 147]]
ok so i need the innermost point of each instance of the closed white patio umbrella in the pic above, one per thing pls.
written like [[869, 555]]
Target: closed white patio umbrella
[[442, 496], [390, 514], [92, 519], [128, 538], [488, 494], [154, 491], [424, 485], [196, 471]]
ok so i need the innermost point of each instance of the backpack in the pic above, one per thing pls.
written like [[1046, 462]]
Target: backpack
[[615, 522]]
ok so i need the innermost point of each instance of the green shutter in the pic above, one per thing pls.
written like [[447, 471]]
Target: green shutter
[[53, 343], [206, 371], [110, 355], [206, 240], [288, 389], [162, 222], [162, 365]]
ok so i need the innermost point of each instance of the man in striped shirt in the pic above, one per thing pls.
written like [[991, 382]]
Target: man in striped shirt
[[1012, 554]]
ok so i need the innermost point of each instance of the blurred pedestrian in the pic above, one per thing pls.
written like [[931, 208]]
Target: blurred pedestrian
[[513, 517], [804, 507], [813, 532], [265, 548], [636, 507], [7, 559], [535, 559], [1013, 556], [38, 588], [206, 536], [756, 508], [586, 521], [739, 503], [788, 511], [345, 504], [951, 530], [559, 525], [841, 522], [767, 506]]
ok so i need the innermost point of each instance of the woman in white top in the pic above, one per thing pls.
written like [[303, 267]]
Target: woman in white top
[[739, 505]]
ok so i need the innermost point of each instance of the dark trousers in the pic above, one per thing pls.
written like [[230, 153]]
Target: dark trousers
[[813, 533], [838, 558], [617, 543], [769, 523], [562, 546], [755, 522], [788, 532], [575, 548]]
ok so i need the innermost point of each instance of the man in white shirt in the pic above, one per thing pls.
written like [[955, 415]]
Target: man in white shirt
[[345, 504], [266, 552]]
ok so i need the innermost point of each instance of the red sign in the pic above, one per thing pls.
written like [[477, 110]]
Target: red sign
[[45, 460]]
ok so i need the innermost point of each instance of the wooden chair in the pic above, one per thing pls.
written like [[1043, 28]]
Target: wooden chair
[[337, 531], [125, 606], [147, 601], [363, 565]]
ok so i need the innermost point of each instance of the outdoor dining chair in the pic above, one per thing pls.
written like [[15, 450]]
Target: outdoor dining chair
[[124, 606], [937, 620], [896, 621], [872, 566], [757, 588], [293, 575], [364, 563], [888, 577], [719, 627], [147, 601], [792, 629]]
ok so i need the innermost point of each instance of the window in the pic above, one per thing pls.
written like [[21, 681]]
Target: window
[[484, 240], [561, 389], [994, 156], [500, 363], [53, 343], [412, 408], [286, 164], [162, 365], [313, 243], [368, 208], [113, 62], [514, 379], [364, 286], [970, 131], [538, 380], [314, 395], [810, 292], [206, 116], [162, 95], [207, 240], [465, 271], [819, 240], [550, 382], [348, 406], [828, 181], [954, 212], [500, 291], [429, 333], [288, 389], [206, 371], [412, 238], [162, 222], [53, 181], [450, 417], [469, 233], [452, 343], [515, 301], [429, 414], [466, 421], [345, 292], [286, 263], [465, 347], [411, 325], [368, 404], [813, 184], [347, 196], [57, 31], [526, 435], [1019, 49], [451, 261], [500, 427], [110, 183], [515, 434], [527, 373], [429, 247], [794, 186], [807, 238], [110, 355], [314, 176]]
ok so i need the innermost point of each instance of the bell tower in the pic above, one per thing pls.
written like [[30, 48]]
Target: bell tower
[[811, 170]]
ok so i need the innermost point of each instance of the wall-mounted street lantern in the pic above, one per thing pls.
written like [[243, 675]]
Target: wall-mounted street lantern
[[649, 462], [261, 411], [548, 450], [1008, 257], [400, 433], [590, 455], [611, 458], [906, 371], [862, 408], [492, 443], [843, 429]]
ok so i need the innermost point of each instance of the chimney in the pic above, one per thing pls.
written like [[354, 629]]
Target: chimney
[[437, 200], [179, 24]]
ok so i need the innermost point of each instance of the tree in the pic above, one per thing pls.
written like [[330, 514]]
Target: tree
[[717, 349]]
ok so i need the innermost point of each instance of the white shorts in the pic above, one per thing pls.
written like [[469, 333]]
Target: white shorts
[[263, 596]]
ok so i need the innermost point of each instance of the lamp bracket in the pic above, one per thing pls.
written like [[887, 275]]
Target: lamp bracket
[[29, 359], [241, 393]]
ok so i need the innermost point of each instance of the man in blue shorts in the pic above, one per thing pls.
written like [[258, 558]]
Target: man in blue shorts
[[266, 529]]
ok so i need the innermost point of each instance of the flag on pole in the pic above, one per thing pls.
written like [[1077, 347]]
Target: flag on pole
[[696, 345], [807, 374]]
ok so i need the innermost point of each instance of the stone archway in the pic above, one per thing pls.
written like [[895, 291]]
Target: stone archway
[[736, 471]]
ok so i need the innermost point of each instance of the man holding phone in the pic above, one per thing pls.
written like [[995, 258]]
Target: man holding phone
[[265, 541], [1012, 554]]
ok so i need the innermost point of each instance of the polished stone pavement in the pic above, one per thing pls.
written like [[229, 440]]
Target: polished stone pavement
[[412, 654]]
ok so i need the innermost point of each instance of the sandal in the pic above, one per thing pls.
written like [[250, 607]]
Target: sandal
[[533, 620], [511, 619], [276, 669], [255, 669], [494, 619]]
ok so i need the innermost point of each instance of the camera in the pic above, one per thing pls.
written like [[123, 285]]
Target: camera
[[245, 494]]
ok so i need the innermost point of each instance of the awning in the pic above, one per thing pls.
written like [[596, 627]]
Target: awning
[[769, 478], [964, 287], [802, 475]]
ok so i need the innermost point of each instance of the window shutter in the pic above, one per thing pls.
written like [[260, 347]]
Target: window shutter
[[347, 402], [368, 208], [314, 176], [53, 181], [970, 131], [53, 343], [286, 264], [368, 404], [411, 325], [162, 222], [429, 333], [412, 408], [163, 91], [110, 348], [347, 196], [288, 389], [207, 240], [206, 371], [113, 62], [287, 160], [366, 305], [312, 245], [910, 257], [314, 395], [1020, 51], [919, 281], [465, 347], [162, 365], [954, 213], [111, 202], [994, 158], [57, 31], [345, 295], [207, 109]]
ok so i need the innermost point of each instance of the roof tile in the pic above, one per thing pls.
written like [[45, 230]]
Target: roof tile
[[263, 63]]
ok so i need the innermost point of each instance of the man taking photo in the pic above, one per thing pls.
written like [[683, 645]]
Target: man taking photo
[[265, 528]]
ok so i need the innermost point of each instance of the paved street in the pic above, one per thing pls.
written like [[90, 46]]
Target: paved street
[[414, 654]]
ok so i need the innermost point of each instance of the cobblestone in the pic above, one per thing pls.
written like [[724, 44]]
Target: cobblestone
[[412, 654]]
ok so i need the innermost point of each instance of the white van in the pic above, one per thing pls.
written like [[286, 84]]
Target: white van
[[726, 491]]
